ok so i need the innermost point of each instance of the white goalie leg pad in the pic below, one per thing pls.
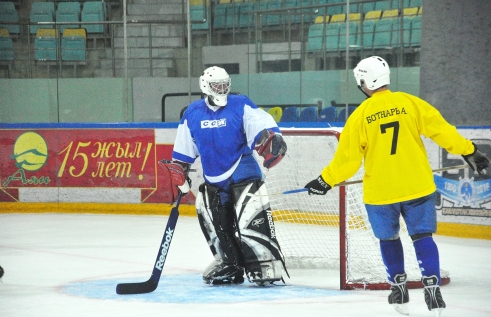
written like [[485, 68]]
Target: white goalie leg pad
[[205, 221], [263, 259]]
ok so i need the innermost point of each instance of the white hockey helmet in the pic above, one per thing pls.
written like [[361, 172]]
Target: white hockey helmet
[[215, 82], [373, 71]]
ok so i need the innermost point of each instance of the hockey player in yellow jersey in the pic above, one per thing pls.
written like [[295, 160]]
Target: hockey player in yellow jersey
[[385, 132]]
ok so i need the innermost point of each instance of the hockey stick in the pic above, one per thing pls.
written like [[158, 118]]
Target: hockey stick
[[150, 285], [300, 190]]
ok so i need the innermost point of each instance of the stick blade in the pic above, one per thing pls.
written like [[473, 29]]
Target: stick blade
[[136, 288]]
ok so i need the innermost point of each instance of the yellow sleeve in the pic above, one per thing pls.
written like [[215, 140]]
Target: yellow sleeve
[[349, 154], [435, 127]]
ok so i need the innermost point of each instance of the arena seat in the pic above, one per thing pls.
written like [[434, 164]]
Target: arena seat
[[342, 114], [276, 113], [8, 13], [332, 37], [315, 37], [46, 45], [6, 46], [68, 12], [353, 30], [416, 31], [73, 45], [382, 34], [94, 11], [327, 114], [290, 114], [41, 12], [308, 114], [197, 14]]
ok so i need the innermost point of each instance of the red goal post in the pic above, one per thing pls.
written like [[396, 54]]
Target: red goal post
[[330, 231]]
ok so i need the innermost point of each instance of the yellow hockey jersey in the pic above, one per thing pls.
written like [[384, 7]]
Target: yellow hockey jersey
[[385, 132]]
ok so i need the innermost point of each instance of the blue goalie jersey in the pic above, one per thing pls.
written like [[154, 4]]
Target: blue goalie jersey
[[221, 136]]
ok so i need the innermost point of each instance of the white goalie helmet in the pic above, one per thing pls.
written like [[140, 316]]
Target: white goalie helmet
[[373, 71], [215, 82]]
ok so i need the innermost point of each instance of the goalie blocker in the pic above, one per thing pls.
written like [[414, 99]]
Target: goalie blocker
[[244, 239]]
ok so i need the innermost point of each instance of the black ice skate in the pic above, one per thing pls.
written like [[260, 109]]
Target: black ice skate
[[264, 273], [433, 296], [399, 297], [220, 273]]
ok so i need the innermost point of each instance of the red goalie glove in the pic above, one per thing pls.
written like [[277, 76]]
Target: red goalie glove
[[271, 146], [178, 176]]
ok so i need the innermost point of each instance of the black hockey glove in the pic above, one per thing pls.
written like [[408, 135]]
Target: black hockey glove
[[318, 186], [477, 161]]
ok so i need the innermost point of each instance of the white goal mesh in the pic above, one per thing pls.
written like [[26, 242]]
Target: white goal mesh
[[309, 227]]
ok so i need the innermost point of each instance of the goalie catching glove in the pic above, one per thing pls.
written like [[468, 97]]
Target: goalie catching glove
[[271, 146], [178, 176], [318, 186], [477, 161]]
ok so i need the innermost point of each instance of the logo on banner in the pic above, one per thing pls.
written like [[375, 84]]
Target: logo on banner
[[463, 192], [30, 151], [30, 154]]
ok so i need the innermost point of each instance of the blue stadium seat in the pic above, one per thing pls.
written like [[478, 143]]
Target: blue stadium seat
[[365, 36], [73, 45], [333, 9], [308, 15], [383, 5], [68, 12], [274, 19], [353, 29], [8, 13], [6, 46], [46, 45], [41, 12], [292, 19], [342, 113], [197, 14], [406, 24], [246, 20], [396, 32], [308, 114], [368, 6], [290, 114], [327, 114], [220, 16], [263, 5], [315, 37], [332, 37], [94, 11], [382, 34], [416, 31]]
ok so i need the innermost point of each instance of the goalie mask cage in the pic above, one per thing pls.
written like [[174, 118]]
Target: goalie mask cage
[[330, 231]]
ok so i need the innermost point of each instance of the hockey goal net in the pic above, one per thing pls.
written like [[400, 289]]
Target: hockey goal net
[[330, 231]]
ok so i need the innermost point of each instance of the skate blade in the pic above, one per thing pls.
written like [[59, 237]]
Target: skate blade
[[402, 308], [438, 311]]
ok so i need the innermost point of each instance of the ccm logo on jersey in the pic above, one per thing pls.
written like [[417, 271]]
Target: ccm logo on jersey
[[213, 123]]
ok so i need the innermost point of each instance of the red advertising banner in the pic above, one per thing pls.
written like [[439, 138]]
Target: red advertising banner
[[78, 158]]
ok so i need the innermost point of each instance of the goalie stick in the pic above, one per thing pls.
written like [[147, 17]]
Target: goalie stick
[[300, 190], [150, 285]]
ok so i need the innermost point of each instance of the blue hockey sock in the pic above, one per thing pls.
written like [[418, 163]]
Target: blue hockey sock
[[428, 257], [393, 257]]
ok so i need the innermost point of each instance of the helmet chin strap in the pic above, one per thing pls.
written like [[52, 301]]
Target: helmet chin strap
[[210, 101], [361, 89]]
